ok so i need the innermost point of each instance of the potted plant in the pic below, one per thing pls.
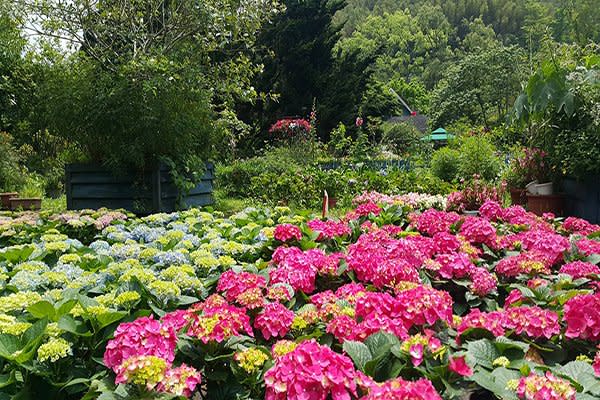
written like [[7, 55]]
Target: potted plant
[[474, 193], [515, 179], [5, 199], [31, 195]]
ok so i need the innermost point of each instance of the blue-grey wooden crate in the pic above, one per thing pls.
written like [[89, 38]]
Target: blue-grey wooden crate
[[90, 186], [583, 198]]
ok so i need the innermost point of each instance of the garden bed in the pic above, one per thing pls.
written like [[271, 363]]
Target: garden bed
[[267, 304]]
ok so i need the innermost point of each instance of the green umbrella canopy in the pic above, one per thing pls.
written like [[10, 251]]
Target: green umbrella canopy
[[438, 134]]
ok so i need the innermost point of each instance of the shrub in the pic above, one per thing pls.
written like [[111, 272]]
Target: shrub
[[400, 137], [12, 174], [445, 164], [477, 157]]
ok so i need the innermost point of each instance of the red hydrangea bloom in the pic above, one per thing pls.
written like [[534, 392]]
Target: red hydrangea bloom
[[274, 321], [329, 229], [398, 389], [479, 231], [533, 321], [143, 337], [459, 366], [582, 315], [484, 282], [311, 372], [579, 226], [490, 321], [579, 269], [287, 232], [491, 210], [234, 284]]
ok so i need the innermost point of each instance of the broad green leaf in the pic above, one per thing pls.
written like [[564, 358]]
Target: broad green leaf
[[380, 343], [582, 373], [358, 352], [69, 324], [42, 309], [483, 352], [108, 318]]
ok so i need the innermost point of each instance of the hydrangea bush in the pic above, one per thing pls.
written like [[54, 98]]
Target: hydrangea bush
[[394, 300]]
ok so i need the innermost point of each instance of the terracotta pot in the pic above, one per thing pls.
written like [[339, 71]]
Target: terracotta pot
[[518, 196], [25, 204], [5, 199], [542, 204]]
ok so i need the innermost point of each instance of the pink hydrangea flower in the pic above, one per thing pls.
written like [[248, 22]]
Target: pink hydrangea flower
[[455, 265], [180, 381], [490, 321], [547, 387], [579, 269], [533, 321], [483, 282], [234, 284], [142, 337], [459, 366], [287, 232], [588, 246], [398, 389], [274, 321], [582, 316], [219, 322], [329, 229], [479, 231], [311, 372], [579, 226], [491, 210], [342, 327]]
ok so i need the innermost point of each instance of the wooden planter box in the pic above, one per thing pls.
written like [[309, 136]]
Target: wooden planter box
[[540, 204], [583, 198], [91, 187]]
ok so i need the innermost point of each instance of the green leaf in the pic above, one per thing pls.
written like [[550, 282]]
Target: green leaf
[[380, 343], [503, 343], [582, 373], [483, 352], [108, 318], [69, 324], [358, 352], [42, 309]]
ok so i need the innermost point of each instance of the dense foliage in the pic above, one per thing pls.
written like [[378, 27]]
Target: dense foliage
[[393, 300]]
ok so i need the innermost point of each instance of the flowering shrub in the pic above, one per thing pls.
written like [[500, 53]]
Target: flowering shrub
[[290, 128], [391, 301]]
